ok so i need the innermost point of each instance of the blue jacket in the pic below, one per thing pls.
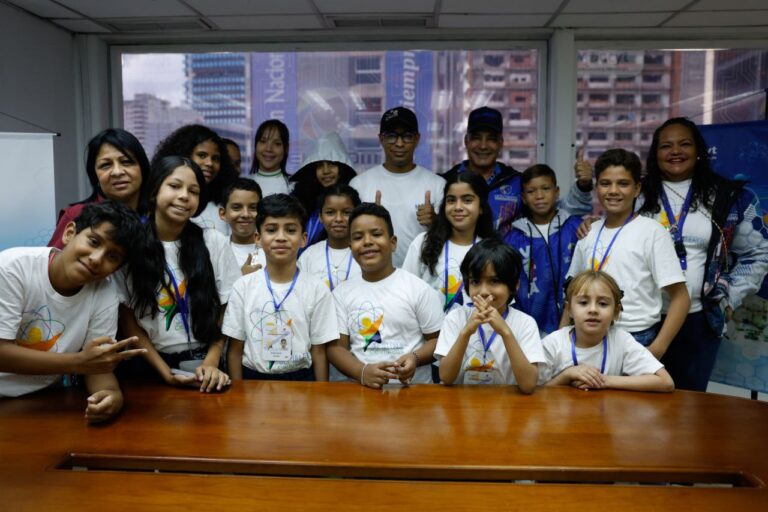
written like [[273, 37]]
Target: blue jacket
[[545, 264]]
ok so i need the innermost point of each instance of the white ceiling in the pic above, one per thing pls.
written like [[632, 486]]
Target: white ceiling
[[172, 17]]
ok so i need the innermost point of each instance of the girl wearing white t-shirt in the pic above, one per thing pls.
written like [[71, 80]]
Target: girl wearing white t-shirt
[[177, 298], [593, 353], [490, 342], [463, 219], [270, 157], [637, 252]]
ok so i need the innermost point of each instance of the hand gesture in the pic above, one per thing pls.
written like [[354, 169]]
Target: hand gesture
[[425, 213], [102, 354], [476, 317], [249, 266], [405, 366], [102, 405], [376, 375], [377, 198], [583, 170], [585, 377]]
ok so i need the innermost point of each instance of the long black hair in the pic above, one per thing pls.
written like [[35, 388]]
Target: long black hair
[[194, 260], [440, 230], [282, 132], [127, 144], [703, 182], [184, 140]]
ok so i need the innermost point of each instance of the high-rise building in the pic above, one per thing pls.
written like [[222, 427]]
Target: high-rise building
[[621, 98], [151, 119], [218, 87]]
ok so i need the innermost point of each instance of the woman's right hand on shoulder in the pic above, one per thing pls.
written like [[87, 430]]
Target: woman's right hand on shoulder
[[103, 354]]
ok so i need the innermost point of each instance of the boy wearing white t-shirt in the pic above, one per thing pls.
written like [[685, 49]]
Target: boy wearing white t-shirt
[[389, 319], [637, 252], [279, 319], [58, 310], [408, 191], [239, 212]]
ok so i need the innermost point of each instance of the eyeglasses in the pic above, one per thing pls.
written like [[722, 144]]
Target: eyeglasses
[[391, 137]]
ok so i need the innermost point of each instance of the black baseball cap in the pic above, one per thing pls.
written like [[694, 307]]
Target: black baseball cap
[[399, 116], [485, 118]]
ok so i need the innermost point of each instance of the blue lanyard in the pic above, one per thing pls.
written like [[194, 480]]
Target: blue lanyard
[[676, 228], [573, 351], [607, 251], [460, 290], [487, 344], [328, 266], [272, 293], [181, 301]]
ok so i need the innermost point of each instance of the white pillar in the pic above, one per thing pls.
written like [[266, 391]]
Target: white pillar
[[561, 107]]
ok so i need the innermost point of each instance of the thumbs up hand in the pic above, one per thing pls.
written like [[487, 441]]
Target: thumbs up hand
[[377, 200], [583, 171], [425, 213]]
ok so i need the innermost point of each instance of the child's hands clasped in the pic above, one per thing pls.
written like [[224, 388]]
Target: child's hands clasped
[[485, 313], [405, 366], [375, 375], [585, 377]]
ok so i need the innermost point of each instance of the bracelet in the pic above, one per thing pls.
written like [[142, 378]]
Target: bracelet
[[362, 374], [416, 356]]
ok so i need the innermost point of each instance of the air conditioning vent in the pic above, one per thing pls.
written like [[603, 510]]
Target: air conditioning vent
[[419, 21], [155, 25]]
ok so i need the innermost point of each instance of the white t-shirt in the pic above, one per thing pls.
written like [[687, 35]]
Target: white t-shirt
[[166, 330], [642, 261], [456, 253], [342, 265], [543, 229], [306, 318], [625, 356], [271, 183], [241, 252], [401, 195], [32, 312], [209, 218], [494, 366], [387, 319], [697, 230]]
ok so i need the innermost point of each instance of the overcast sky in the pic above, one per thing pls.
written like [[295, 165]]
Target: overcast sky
[[161, 74]]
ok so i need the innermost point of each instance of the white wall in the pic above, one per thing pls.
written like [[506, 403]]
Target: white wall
[[37, 84]]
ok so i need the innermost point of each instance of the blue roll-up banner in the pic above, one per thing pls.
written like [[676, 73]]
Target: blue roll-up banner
[[273, 94], [740, 151], [409, 84]]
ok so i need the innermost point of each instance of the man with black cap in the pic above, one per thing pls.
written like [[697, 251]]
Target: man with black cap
[[484, 141], [408, 191]]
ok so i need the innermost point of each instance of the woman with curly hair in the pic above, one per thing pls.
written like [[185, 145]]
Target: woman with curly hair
[[204, 147]]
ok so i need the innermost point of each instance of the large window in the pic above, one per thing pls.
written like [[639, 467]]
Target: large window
[[344, 92], [646, 87]]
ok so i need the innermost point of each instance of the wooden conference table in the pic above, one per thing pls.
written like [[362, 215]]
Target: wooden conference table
[[320, 446]]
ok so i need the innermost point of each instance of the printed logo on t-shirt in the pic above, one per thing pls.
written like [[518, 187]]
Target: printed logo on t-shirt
[[168, 303], [39, 330], [454, 289], [370, 330]]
